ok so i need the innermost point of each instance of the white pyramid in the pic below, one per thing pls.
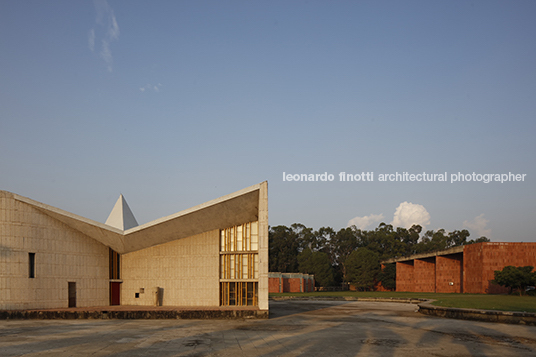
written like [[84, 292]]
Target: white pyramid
[[121, 216]]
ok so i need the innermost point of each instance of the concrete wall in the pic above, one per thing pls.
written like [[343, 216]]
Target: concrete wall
[[187, 269], [263, 246], [62, 255]]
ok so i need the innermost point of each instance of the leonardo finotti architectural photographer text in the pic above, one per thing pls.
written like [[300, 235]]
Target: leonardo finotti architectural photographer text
[[406, 177]]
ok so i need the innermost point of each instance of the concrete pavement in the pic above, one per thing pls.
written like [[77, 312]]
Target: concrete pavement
[[295, 328]]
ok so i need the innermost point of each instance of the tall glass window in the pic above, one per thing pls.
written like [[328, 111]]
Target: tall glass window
[[239, 265], [114, 264]]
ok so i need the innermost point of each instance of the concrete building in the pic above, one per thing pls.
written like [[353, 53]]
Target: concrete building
[[212, 255], [291, 282], [463, 269]]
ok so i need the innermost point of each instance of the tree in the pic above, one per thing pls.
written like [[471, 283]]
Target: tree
[[283, 250], [387, 276], [318, 264], [304, 236], [515, 277], [322, 241], [434, 241], [387, 242], [362, 268], [286, 243], [479, 240], [341, 245], [457, 238]]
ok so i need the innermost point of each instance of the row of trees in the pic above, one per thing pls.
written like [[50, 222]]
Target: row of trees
[[351, 255]]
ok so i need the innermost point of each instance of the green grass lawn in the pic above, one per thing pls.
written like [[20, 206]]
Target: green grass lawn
[[467, 301]]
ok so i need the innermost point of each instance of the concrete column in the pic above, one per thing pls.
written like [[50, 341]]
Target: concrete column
[[263, 246]]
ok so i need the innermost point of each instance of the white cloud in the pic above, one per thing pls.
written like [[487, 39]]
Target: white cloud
[[478, 226], [106, 54], [151, 87], [105, 20], [365, 221], [407, 214], [113, 27]]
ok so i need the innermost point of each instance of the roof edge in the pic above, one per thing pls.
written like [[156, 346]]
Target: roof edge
[[56, 210], [453, 250], [197, 208]]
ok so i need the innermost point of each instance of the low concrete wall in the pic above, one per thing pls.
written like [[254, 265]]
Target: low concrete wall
[[507, 317], [349, 298], [132, 314]]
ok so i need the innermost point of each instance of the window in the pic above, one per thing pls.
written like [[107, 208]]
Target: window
[[31, 265], [114, 264], [239, 265], [239, 293]]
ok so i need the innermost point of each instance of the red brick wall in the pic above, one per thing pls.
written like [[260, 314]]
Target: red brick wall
[[479, 261], [285, 285], [294, 285], [290, 282], [424, 275], [472, 269], [273, 285], [310, 285], [449, 270], [482, 259], [404, 276], [498, 255]]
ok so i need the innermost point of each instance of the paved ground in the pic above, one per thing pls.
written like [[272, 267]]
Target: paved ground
[[295, 328]]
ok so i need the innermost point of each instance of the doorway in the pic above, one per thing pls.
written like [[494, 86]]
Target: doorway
[[115, 293]]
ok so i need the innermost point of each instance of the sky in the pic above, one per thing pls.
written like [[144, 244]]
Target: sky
[[175, 103]]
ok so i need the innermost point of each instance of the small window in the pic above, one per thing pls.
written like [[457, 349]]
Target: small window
[[31, 265]]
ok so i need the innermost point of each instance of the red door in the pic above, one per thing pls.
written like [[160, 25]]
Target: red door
[[115, 293]]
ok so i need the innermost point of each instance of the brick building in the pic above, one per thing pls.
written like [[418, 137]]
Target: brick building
[[290, 283], [464, 269]]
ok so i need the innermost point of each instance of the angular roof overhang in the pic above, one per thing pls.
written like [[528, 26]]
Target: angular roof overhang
[[453, 250], [233, 209]]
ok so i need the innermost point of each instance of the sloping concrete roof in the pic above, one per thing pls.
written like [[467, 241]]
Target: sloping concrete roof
[[227, 211]]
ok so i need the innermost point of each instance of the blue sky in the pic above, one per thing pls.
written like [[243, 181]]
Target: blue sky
[[174, 103]]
